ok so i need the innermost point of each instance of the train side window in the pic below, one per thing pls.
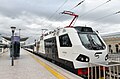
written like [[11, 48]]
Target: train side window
[[65, 41]]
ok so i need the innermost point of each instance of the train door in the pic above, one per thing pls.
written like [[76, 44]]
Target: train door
[[65, 46], [51, 48]]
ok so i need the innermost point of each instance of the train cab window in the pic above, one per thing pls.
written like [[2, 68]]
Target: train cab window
[[91, 41], [65, 41]]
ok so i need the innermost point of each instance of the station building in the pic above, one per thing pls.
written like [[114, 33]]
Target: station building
[[113, 42], [3, 44]]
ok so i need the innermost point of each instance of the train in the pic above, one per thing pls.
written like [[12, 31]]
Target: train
[[73, 47]]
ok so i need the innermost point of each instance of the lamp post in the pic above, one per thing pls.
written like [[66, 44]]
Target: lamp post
[[19, 32], [13, 30], [12, 41]]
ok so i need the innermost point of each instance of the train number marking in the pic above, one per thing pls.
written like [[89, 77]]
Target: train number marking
[[97, 54]]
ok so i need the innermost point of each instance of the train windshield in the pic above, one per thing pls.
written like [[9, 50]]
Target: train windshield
[[91, 41]]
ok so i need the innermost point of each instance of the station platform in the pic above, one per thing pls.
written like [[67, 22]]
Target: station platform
[[30, 66]]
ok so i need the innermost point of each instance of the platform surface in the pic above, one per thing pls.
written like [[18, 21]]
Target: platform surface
[[29, 66]]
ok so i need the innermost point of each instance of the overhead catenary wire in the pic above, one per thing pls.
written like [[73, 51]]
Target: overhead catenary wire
[[58, 9], [89, 11], [51, 16], [71, 9], [78, 4], [59, 18], [61, 7], [81, 2], [106, 16]]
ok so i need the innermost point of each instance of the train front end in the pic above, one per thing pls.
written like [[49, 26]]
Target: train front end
[[92, 49]]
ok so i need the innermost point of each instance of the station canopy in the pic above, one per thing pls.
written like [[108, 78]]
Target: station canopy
[[21, 38]]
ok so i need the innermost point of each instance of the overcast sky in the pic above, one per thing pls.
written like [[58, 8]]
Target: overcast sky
[[33, 15]]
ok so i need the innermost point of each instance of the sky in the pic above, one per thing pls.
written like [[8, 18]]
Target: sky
[[33, 15]]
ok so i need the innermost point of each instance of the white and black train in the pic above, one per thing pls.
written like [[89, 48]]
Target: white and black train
[[73, 47]]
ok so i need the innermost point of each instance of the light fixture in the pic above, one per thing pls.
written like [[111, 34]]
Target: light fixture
[[13, 28]]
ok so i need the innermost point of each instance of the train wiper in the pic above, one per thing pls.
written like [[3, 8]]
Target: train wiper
[[96, 44], [89, 46]]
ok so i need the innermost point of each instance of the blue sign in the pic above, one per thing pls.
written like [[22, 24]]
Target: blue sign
[[15, 38]]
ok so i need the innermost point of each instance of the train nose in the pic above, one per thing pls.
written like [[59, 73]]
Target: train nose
[[97, 54]]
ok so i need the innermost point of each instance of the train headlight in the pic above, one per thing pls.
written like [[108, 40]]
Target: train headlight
[[83, 58], [106, 57]]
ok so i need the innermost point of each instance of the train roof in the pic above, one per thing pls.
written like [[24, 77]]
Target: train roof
[[83, 29], [68, 29]]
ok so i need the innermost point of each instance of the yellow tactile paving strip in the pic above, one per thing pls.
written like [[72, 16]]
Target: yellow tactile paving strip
[[50, 69]]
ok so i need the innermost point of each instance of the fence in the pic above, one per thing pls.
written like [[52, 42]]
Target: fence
[[104, 70]]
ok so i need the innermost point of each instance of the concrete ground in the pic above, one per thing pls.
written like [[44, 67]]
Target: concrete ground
[[29, 66]]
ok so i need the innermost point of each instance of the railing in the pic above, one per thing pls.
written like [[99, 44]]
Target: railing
[[114, 57], [105, 70]]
